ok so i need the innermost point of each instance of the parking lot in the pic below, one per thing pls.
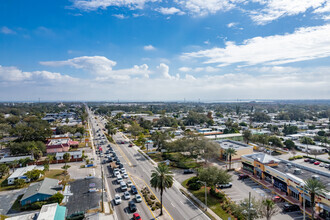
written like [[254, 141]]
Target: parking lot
[[240, 190]]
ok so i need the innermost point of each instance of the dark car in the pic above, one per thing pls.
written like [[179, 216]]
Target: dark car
[[243, 176], [118, 162], [290, 207], [120, 165], [131, 145], [133, 189], [306, 160], [110, 159], [132, 206], [188, 171], [115, 158], [311, 161]]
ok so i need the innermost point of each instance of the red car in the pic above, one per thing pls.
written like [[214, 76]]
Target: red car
[[317, 162], [306, 160], [136, 216]]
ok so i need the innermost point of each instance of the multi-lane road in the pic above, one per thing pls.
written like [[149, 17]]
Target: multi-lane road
[[176, 205]]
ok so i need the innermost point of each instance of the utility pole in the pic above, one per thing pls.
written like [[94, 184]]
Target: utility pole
[[205, 194], [249, 210]]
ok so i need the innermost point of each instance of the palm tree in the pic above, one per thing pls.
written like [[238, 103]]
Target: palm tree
[[161, 178], [230, 152], [314, 187], [268, 208]]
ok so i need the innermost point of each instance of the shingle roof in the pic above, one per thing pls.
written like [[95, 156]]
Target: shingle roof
[[43, 187]]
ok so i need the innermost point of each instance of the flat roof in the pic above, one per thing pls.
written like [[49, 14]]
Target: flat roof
[[225, 144], [11, 159], [306, 172], [21, 171]]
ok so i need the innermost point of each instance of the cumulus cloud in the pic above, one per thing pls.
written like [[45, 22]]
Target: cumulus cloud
[[12, 74], [149, 47], [170, 11], [6, 30], [164, 71], [274, 9], [92, 5], [205, 7], [269, 50], [232, 24], [101, 67], [120, 16], [207, 69]]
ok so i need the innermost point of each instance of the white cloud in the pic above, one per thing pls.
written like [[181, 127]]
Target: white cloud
[[274, 9], [120, 16], [6, 30], [164, 71], [14, 74], [205, 7], [304, 44], [101, 66], [170, 11], [149, 47], [207, 69], [92, 5], [232, 24]]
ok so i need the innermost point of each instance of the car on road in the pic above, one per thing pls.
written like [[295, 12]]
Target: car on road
[[136, 216], [134, 189], [117, 199], [125, 176], [277, 199], [317, 163], [188, 171], [138, 198], [130, 145], [132, 206], [123, 170], [127, 196], [129, 183], [223, 186], [243, 176], [290, 207]]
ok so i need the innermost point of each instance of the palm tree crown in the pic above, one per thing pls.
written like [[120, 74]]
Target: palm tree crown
[[314, 187], [230, 151], [161, 178]]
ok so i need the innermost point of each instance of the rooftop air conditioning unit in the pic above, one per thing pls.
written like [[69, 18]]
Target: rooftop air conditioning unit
[[297, 171]]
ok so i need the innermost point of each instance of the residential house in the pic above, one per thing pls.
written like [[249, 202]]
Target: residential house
[[19, 173]]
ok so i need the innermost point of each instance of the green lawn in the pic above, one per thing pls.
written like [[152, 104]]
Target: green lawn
[[212, 202], [4, 185], [55, 174]]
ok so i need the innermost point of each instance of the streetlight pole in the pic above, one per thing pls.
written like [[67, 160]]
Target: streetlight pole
[[205, 193], [304, 206], [249, 210]]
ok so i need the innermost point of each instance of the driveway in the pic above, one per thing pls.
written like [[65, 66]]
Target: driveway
[[7, 199]]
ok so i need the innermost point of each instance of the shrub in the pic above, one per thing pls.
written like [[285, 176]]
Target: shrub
[[218, 195], [56, 198], [158, 204], [153, 208], [152, 197], [291, 158], [194, 186], [193, 180]]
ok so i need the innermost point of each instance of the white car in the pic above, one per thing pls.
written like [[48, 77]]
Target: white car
[[129, 183], [116, 173], [127, 195], [123, 170], [125, 176], [138, 198], [117, 199], [116, 170]]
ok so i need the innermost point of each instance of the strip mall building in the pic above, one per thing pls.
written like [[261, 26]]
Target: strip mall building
[[287, 179]]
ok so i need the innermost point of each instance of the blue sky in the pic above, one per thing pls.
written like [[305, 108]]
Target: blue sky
[[152, 50]]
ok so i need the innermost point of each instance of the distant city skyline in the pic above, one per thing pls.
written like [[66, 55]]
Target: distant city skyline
[[152, 50]]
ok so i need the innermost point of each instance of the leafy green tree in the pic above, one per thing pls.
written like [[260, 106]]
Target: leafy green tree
[[212, 175], [161, 179], [307, 140], [135, 129], [4, 170], [208, 149], [20, 183], [289, 129], [56, 198], [321, 133], [268, 208], [260, 117], [230, 152], [275, 141], [66, 158], [289, 144], [33, 175], [314, 186], [46, 167], [159, 138], [247, 135]]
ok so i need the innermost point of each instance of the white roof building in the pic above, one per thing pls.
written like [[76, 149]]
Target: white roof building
[[19, 173]]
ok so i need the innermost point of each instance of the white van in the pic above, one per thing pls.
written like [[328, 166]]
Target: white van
[[123, 186]]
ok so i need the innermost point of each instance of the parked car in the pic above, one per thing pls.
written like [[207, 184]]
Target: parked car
[[317, 163], [123, 170], [138, 198], [290, 207], [129, 183], [118, 162], [120, 165], [136, 216], [132, 206], [311, 161], [243, 176], [134, 189], [277, 199], [117, 199], [188, 171], [130, 145], [123, 186], [125, 176], [322, 164], [223, 186], [127, 195], [306, 160]]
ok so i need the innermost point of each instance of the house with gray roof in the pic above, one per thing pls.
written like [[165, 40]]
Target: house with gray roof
[[40, 191]]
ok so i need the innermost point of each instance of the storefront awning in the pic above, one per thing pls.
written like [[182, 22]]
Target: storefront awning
[[293, 189], [324, 207], [306, 197]]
